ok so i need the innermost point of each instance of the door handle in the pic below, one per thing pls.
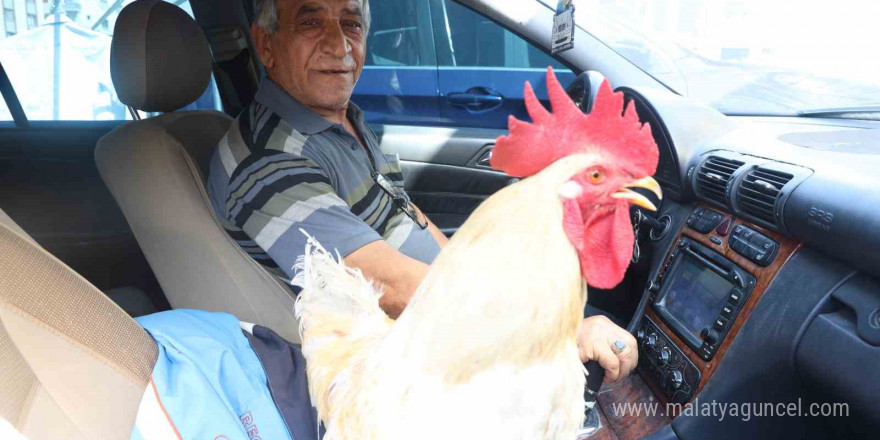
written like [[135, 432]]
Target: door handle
[[476, 99], [483, 161]]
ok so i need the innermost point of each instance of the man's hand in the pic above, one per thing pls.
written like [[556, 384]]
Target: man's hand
[[398, 274], [595, 337]]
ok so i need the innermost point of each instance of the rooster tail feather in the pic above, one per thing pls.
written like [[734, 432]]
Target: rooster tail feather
[[340, 321], [329, 286]]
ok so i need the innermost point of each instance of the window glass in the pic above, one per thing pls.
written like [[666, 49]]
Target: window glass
[[479, 42], [9, 24], [395, 36], [57, 56]]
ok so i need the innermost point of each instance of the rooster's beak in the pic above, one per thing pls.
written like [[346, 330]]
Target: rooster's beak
[[637, 199]]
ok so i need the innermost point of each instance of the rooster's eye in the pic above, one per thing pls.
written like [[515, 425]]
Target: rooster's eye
[[596, 176]]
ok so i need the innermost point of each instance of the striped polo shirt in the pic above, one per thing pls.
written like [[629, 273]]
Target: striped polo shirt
[[281, 167]]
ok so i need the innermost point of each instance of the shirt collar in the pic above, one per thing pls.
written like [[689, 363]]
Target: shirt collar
[[300, 117]]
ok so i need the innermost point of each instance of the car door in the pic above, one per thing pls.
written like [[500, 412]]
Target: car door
[[398, 84], [483, 66], [443, 149]]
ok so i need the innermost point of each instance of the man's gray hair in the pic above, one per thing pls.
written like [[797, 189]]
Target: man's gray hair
[[266, 12]]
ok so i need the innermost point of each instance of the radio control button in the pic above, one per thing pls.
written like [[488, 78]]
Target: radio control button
[[651, 342], [753, 245], [738, 279], [724, 228], [664, 356], [735, 297], [704, 220], [720, 323], [676, 379], [709, 335], [737, 244], [705, 353], [727, 311]]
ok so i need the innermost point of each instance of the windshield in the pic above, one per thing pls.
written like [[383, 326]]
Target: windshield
[[761, 57]]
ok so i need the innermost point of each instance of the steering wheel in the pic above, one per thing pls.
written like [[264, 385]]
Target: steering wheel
[[584, 88]]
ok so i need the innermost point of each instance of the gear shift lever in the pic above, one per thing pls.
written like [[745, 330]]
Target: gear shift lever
[[595, 376]]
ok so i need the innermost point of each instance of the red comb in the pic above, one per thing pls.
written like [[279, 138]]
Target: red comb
[[608, 129]]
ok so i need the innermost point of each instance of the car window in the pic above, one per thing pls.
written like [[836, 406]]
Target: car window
[[397, 34], [477, 41], [57, 56]]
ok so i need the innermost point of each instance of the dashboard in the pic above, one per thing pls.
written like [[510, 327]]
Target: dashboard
[[765, 287], [814, 180]]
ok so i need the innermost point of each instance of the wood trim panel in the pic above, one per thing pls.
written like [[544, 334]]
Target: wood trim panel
[[606, 432], [763, 278], [633, 390]]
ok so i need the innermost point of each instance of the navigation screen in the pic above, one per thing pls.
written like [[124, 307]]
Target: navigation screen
[[695, 295]]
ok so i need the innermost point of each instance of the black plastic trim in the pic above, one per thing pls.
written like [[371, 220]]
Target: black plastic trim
[[725, 155], [668, 167], [11, 99], [798, 175], [742, 281]]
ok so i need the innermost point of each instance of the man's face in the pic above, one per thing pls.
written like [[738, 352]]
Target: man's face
[[318, 52]]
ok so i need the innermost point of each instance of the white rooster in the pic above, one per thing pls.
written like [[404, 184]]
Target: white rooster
[[486, 348]]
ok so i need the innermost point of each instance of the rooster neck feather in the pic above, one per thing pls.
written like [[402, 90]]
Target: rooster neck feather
[[489, 335], [512, 251]]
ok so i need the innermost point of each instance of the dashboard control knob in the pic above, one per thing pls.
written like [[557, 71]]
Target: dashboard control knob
[[676, 379], [653, 286], [664, 355], [709, 335], [651, 342], [640, 335]]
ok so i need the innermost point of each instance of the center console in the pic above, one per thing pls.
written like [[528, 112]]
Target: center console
[[712, 276], [700, 295], [709, 282]]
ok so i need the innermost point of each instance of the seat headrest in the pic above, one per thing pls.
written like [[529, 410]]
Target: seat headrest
[[160, 60]]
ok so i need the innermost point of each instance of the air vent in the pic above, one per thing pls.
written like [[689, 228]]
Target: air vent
[[713, 176], [759, 191]]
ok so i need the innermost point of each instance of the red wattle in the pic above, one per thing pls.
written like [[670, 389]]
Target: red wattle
[[603, 243]]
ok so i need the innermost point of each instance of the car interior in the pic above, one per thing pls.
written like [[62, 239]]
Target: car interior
[[756, 282]]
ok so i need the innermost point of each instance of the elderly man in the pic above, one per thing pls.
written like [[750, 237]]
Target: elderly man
[[301, 157]]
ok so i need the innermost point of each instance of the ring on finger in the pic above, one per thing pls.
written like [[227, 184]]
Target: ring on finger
[[618, 347]]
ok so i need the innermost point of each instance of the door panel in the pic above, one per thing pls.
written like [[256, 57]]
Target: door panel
[[482, 69], [439, 166], [447, 194], [438, 145], [50, 186]]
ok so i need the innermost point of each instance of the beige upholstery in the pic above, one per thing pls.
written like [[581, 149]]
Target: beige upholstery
[[5, 220], [73, 365], [155, 169]]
